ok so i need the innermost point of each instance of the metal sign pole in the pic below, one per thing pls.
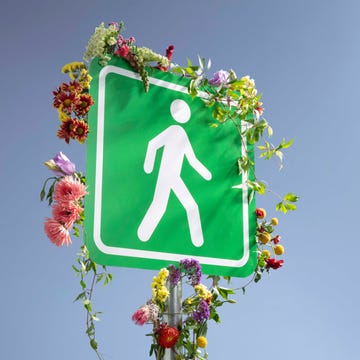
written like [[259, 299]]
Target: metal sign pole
[[173, 315]]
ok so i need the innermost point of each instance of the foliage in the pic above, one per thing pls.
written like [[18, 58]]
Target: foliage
[[233, 100]]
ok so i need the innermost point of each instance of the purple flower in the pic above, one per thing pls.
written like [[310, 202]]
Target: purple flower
[[61, 165], [174, 275], [192, 270], [202, 312], [219, 78]]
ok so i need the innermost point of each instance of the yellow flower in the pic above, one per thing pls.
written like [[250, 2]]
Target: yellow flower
[[274, 221], [201, 342], [203, 291], [162, 294], [264, 237], [159, 290], [63, 116], [279, 249], [85, 79], [266, 254], [73, 66]]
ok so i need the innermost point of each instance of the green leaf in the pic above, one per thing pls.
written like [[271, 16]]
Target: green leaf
[[93, 344], [281, 207], [291, 197], [290, 207], [82, 284], [80, 296], [286, 144]]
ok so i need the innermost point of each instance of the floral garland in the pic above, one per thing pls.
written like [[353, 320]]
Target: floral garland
[[233, 100]]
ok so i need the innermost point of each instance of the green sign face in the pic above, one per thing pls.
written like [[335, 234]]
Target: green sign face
[[163, 183]]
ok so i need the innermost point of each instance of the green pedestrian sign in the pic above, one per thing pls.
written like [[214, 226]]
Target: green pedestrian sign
[[163, 181]]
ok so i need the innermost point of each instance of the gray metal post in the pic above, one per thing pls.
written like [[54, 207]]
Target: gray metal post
[[173, 313]]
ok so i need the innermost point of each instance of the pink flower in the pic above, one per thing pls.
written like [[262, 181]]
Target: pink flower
[[69, 190], [57, 233], [67, 215], [122, 51], [141, 316]]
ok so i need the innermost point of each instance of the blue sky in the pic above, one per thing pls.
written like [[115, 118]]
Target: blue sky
[[304, 57]]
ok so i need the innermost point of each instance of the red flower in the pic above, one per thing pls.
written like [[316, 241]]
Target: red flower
[[276, 239], [169, 54], [83, 105], [65, 100], [122, 51], [260, 213], [273, 263], [73, 129], [167, 337], [66, 130], [81, 130]]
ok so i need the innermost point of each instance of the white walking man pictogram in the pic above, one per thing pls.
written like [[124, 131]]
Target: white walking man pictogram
[[176, 146]]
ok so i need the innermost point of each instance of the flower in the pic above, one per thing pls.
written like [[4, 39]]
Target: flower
[[159, 291], [219, 78], [80, 131], [122, 51], [61, 165], [167, 337], [273, 263], [83, 104], [274, 221], [147, 312], [192, 269], [201, 342], [66, 130], [174, 274], [73, 129], [265, 254], [67, 215], [57, 233], [260, 213], [276, 239], [141, 316], [202, 312], [203, 292], [279, 249], [66, 101], [68, 190], [264, 237]]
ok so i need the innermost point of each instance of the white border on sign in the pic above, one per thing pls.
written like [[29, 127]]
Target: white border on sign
[[136, 253]]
